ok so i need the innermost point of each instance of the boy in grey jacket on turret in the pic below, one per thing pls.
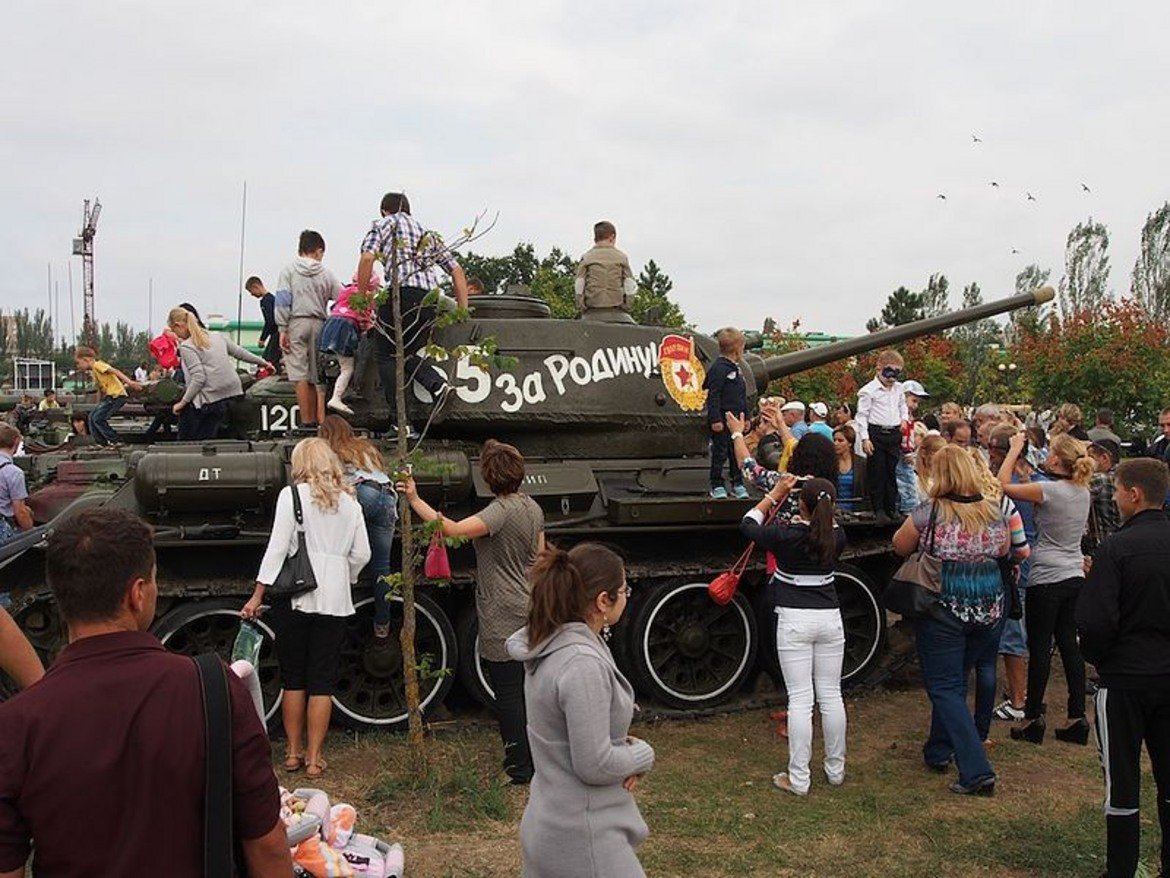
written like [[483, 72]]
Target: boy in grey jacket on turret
[[312, 287]]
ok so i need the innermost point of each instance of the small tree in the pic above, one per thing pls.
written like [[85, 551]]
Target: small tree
[[974, 342], [652, 304], [901, 307], [936, 296]]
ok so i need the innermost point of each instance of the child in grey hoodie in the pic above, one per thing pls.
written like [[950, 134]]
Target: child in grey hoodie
[[311, 287], [581, 820]]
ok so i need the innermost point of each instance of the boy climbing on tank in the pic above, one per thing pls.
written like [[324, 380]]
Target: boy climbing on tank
[[605, 283], [726, 392]]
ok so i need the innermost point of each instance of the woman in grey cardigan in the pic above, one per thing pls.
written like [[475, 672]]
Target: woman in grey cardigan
[[211, 376], [581, 820]]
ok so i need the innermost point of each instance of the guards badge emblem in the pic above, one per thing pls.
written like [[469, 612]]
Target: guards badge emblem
[[682, 373]]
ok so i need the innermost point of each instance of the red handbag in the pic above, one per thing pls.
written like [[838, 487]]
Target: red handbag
[[723, 587], [437, 564]]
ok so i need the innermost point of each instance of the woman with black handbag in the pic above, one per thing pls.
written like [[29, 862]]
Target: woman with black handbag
[[310, 627], [968, 534]]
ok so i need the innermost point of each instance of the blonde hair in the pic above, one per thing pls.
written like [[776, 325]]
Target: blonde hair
[[315, 464], [954, 472], [1073, 457], [1071, 413], [198, 335], [729, 339], [890, 357], [927, 449], [989, 481]]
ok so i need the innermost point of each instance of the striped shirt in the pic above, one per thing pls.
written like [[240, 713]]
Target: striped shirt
[[421, 253]]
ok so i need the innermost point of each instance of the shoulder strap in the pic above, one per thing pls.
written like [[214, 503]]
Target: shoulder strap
[[218, 859], [297, 510], [931, 525]]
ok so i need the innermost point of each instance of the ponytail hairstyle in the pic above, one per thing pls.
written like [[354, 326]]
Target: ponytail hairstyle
[[565, 585], [1073, 457], [816, 499], [198, 335]]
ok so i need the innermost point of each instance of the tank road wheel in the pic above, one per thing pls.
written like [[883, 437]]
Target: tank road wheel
[[211, 625], [471, 671], [864, 628], [688, 651], [371, 688], [865, 623], [42, 625]]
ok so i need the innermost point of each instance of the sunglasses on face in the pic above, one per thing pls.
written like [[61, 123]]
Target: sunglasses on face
[[891, 372]]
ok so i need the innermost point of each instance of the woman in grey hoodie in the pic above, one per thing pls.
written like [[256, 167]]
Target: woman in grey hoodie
[[581, 820]]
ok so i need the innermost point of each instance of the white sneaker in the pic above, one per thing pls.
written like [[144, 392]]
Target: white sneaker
[[1005, 711], [338, 406], [782, 781]]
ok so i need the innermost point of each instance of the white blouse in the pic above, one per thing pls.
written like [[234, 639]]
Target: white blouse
[[338, 550]]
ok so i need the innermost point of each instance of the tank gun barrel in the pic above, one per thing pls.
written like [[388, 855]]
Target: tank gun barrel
[[772, 368]]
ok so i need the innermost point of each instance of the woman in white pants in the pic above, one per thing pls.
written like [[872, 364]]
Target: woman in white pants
[[810, 636]]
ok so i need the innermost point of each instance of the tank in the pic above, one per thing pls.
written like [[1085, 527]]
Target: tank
[[609, 418]]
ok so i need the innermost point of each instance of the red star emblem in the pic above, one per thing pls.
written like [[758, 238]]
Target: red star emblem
[[684, 377]]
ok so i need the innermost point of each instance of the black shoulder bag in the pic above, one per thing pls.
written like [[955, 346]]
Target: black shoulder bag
[[296, 573], [218, 843]]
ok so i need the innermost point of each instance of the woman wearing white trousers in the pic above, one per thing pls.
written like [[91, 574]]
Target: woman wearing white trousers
[[810, 636]]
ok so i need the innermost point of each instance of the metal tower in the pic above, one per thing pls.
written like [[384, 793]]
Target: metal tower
[[83, 247]]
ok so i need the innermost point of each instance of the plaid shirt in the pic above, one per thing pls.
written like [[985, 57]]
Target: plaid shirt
[[421, 253], [1105, 511]]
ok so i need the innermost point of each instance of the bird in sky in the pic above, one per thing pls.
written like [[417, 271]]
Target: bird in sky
[[1086, 188], [976, 139], [1014, 251], [943, 197], [1031, 197], [994, 184]]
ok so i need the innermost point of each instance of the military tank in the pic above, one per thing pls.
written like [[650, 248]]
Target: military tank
[[608, 414]]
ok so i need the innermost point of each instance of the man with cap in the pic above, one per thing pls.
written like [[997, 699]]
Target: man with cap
[[793, 414], [911, 434], [818, 423]]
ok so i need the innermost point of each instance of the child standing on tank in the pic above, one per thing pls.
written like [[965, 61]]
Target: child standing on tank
[[342, 334], [882, 415], [726, 392], [111, 384]]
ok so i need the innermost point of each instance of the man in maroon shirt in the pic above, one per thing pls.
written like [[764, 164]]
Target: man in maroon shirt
[[102, 761]]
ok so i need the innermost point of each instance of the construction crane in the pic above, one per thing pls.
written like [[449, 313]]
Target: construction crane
[[83, 247]]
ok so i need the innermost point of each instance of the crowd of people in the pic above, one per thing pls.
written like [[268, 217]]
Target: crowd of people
[[1004, 507]]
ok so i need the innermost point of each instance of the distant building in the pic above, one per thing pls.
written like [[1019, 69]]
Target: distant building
[[248, 335]]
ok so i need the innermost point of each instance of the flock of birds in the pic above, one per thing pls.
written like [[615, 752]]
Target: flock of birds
[[975, 140]]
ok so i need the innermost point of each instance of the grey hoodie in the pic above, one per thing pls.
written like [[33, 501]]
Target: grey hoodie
[[312, 287], [580, 822]]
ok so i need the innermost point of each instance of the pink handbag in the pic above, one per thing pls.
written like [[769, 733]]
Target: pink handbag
[[437, 565]]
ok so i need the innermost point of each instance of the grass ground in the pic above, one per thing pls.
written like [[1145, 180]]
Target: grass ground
[[712, 810]]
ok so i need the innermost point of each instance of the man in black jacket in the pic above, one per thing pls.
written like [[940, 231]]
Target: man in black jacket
[[270, 334], [1123, 614]]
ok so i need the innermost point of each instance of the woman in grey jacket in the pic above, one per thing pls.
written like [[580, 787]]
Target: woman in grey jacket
[[211, 377], [581, 820]]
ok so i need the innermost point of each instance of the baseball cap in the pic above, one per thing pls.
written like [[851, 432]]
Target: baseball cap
[[820, 409], [795, 406], [1109, 447], [914, 387]]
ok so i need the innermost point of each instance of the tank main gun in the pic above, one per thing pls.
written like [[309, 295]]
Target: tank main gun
[[768, 369]]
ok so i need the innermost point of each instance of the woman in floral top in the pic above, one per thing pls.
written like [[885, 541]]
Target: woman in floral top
[[969, 534]]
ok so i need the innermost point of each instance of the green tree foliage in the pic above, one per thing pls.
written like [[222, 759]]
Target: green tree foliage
[[1085, 284], [1151, 271], [901, 307], [652, 305], [31, 334], [1028, 280], [1115, 356], [974, 341], [936, 296]]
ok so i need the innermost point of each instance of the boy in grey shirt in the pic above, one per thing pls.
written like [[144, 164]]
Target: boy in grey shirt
[[604, 279], [311, 286]]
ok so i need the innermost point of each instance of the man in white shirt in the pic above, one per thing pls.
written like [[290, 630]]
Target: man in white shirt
[[881, 416]]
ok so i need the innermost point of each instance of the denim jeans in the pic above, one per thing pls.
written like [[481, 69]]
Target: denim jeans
[[907, 486], [99, 419], [947, 650], [380, 510], [507, 679], [196, 424]]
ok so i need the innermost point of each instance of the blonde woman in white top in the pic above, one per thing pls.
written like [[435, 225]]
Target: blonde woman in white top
[[310, 631]]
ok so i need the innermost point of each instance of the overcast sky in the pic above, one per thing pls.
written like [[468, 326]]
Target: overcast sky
[[774, 158]]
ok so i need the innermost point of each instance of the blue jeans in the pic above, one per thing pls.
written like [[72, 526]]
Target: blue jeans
[[99, 419], [380, 510], [947, 650], [907, 487]]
